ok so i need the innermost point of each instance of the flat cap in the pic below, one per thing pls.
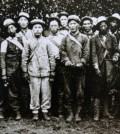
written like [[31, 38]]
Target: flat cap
[[37, 21], [114, 16], [8, 22], [63, 14], [73, 17], [86, 18], [24, 14]]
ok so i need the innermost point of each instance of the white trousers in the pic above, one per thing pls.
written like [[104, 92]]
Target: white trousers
[[37, 86]]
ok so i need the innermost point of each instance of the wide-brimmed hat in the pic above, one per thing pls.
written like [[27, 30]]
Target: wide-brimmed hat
[[63, 14], [114, 16], [8, 22], [73, 17], [100, 20], [86, 18], [37, 21]]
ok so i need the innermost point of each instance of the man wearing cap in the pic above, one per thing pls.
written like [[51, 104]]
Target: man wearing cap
[[63, 16], [39, 63], [56, 38], [104, 57], [87, 25], [11, 50], [24, 34], [114, 21], [74, 52]]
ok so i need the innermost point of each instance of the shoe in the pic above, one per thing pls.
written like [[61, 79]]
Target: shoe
[[35, 117], [1, 116], [46, 117], [18, 116], [77, 118], [70, 117]]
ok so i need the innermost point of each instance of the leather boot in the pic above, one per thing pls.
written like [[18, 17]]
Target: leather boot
[[106, 111], [96, 110], [69, 117], [46, 117], [35, 117], [18, 116], [78, 115], [1, 116]]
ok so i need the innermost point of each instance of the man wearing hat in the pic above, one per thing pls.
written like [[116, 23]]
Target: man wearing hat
[[74, 52], [11, 50], [87, 25], [38, 62], [63, 16], [104, 57], [56, 38], [23, 21], [114, 21]]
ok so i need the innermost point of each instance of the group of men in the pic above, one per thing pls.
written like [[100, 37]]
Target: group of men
[[66, 66]]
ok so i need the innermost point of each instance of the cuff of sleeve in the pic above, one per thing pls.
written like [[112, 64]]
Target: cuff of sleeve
[[96, 67]]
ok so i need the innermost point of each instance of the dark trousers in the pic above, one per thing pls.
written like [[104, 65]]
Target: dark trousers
[[74, 89]]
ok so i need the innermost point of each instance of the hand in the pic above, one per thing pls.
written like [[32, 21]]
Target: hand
[[25, 76], [115, 58], [5, 80], [98, 73], [52, 74], [68, 63], [79, 65]]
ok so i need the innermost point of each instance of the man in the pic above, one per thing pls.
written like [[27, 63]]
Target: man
[[113, 23], [38, 61], [56, 38], [23, 21], [104, 56], [24, 34], [11, 50], [63, 16], [74, 56]]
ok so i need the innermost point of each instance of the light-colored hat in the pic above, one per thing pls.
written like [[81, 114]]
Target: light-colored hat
[[86, 18], [114, 16], [37, 21], [8, 22], [95, 20], [73, 17], [101, 19], [63, 14], [24, 14]]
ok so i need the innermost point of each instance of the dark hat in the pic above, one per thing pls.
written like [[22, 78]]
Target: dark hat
[[86, 18], [37, 21], [73, 17], [54, 18], [114, 16], [63, 14], [8, 22]]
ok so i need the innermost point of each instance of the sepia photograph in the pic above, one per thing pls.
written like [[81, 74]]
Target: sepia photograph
[[59, 66]]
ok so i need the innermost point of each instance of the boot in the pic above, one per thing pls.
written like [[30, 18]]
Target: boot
[[96, 110], [46, 117], [18, 116], [1, 115], [78, 115], [69, 117], [35, 117], [106, 111]]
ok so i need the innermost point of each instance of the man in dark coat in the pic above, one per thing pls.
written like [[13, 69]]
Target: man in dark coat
[[74, 54], [104, 56], [11, 50]]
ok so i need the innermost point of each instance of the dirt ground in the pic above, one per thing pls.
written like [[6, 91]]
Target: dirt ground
[[58, 126]]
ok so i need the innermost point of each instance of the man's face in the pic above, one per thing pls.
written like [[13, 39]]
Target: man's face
[[103, 27], [87, 25], [12, 29], [54, 26], [23, 22], [64, 21], [113, 24], [37, 29], [73, 26]]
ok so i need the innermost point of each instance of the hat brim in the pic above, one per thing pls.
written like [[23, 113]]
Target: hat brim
[[98, 24], [74, 20], [23, 16], [86, 19], [113, 18], [62, 14]]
